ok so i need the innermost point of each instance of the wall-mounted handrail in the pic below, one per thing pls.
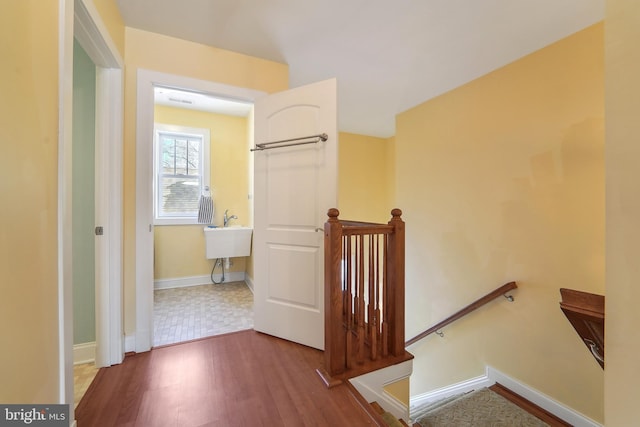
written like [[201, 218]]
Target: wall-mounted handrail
[[311, 139], [501, 291]]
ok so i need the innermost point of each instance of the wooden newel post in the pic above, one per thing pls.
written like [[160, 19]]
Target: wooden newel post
[[334, 332], [395, 283]]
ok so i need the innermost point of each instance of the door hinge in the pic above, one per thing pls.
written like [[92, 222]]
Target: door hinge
[[99, 230]]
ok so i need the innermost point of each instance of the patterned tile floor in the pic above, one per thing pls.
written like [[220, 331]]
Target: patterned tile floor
[[83, 375], [183, 314]]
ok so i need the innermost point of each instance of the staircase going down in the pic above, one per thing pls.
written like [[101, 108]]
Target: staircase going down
[[493, 406], [388, 418]]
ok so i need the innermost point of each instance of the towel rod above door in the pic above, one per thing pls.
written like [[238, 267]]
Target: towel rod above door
[[312, 139]]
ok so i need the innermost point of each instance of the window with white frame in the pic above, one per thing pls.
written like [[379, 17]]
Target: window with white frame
[[181, 170]]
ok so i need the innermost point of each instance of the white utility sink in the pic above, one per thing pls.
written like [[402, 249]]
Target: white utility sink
[[227, 242]]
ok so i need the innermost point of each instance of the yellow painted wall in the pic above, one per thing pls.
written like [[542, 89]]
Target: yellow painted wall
[[364, 178], [390, 160], [179, 57], [179, 249], [503, 179], [29, 180], [110, 14], [399, 390], [622, 375]]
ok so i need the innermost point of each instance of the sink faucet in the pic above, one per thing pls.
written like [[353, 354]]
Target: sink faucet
[[228, 218]]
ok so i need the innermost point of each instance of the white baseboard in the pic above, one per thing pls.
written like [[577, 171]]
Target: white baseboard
[[493, 376], [249, 281], [542, 400], [371, 387], [84, 353], [129, 343], [181, 282], [451, 390]]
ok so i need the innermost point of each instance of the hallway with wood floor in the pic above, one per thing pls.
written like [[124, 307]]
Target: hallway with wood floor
[[238, 379]]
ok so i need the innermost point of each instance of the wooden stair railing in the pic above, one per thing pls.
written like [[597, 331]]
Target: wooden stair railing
[[364, 296], [501, 291]]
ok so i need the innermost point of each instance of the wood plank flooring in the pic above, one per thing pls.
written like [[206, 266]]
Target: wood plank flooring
[[239, 379]]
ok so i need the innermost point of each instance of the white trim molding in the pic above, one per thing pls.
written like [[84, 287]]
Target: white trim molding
[[493, 376], [93, 36], [249, 281], [64, 205], [130, 343], [109, 206], [371, 387], [183, 282], [84, 353], [451, 390]]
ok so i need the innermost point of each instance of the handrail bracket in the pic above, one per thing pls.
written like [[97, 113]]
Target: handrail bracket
[[437, 328]]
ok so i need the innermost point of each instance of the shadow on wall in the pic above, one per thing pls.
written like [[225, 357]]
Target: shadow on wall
[[541, 224], [555, 209]]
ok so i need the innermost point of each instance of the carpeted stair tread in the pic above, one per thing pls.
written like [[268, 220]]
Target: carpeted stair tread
[[388, 417], [391, 420], [481, 408], [428, 407]]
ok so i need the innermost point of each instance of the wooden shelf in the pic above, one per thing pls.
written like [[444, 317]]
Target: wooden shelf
[[585, 311]]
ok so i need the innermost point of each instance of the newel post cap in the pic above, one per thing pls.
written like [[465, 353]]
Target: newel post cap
[[333, 214]]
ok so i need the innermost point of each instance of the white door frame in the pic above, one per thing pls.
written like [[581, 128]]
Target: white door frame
[[146, 81], [94, 38], [65, 273], [80, 18], [109, 247]]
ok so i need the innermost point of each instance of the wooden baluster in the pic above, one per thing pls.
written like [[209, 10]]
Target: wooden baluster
[[370, 284], [335, 334], [350, 303], [343, 271], [356, 281], [385, 297], [373, 297], [379, 267], [346, 280], [356, 302], [361, 303], [396, 284]]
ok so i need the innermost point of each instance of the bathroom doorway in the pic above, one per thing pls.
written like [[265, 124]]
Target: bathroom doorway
[[195, 297]]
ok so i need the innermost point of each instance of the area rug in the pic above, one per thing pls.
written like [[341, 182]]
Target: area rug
[[481, 408]]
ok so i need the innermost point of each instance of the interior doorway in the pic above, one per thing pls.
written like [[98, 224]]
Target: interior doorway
[[82, 22], [83, 218], [200, 141], [148, 82]]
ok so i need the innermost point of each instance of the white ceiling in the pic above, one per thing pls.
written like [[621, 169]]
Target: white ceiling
[[388, 55]]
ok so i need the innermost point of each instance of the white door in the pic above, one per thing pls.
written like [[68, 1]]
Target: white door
[[293, 189]]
